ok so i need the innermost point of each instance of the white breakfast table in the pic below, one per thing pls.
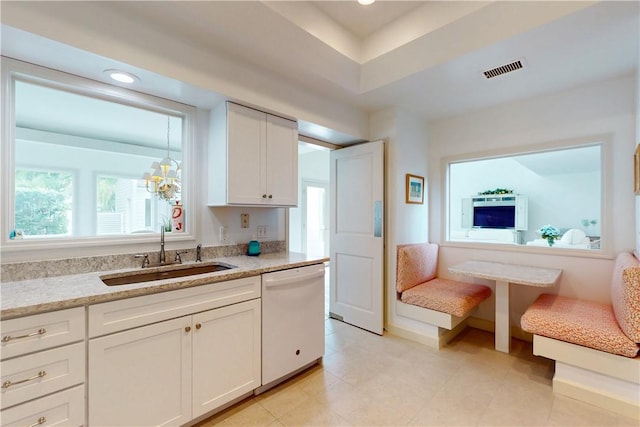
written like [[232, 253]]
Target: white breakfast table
[[504, 274]]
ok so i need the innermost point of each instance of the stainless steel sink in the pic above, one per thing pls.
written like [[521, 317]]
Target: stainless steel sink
[[139, 276]]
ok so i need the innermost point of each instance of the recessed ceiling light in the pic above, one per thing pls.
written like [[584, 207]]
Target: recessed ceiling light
[[366, 2], [122, 76]]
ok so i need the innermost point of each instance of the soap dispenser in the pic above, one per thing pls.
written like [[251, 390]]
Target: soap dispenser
[[254, 247]]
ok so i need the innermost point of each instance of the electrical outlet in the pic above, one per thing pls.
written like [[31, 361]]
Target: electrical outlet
[[244, 220], [262, 232], [224, 234]]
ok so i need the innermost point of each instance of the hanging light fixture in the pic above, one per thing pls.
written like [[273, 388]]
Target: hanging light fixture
[[164, 180]]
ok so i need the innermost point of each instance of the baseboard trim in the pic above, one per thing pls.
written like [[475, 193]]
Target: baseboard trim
[[444, 335], [596, 397]]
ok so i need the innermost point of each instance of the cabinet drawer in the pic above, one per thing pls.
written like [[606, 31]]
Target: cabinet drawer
[[41, 331], [34, 375], [62, 409], [129, 313]]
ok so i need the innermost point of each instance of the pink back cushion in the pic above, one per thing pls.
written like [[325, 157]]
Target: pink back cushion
[[416, 264], [625, 294]]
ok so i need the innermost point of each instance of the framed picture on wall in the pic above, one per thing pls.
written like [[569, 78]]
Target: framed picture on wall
[[636, 170], [415, 189]]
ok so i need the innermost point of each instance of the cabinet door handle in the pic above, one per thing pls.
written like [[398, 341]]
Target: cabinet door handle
[[187, 329], [271, 196], [198, 325], [40, 331], [8, 384], [264, 196], [40, 421]]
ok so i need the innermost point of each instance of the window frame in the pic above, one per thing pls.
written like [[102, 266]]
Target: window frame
[[606, 230], [13, 70]]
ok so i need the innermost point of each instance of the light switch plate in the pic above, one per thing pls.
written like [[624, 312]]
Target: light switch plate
[[244, 220], [262, 232]]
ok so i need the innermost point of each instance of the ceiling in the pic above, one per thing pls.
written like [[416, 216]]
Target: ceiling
[[363, 21], [424, 57]]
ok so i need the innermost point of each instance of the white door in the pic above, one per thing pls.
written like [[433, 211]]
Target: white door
[[357, 246]]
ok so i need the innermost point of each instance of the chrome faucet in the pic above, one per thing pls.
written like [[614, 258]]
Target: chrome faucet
[[162, 257]]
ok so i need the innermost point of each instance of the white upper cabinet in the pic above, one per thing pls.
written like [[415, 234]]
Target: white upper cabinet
[[253, 158]]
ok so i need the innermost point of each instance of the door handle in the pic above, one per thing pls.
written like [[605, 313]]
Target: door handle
[[40, 331], [8, 384], [272, 283]]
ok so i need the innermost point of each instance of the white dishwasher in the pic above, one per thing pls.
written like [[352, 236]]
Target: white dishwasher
[[292, 320]]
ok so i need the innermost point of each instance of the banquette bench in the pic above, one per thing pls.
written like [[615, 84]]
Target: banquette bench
[[429, 299], [595, 345]]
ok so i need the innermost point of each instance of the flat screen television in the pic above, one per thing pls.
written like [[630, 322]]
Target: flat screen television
[[494, 216]]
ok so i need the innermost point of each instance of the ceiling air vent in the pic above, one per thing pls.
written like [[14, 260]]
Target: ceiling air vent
[[503, 69]]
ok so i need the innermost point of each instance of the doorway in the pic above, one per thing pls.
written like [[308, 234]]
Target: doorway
[[309, 222], [315, 218]]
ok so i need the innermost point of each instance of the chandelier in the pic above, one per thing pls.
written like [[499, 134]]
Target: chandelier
[[164, 181]]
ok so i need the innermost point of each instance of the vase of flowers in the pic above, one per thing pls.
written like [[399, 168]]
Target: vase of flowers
[[550, 233]]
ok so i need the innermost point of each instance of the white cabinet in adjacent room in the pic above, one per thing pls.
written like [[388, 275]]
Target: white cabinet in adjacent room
[[253, 158]]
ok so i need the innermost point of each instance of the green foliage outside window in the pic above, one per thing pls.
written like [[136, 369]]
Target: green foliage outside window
[[107, 194], [43, 200]]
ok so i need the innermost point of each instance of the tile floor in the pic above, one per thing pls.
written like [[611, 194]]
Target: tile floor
[[368, 380]]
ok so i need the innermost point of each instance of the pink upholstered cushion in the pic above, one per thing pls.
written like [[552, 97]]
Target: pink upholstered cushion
[[585, 323], [625, 294], [448, 296], [416, 263]]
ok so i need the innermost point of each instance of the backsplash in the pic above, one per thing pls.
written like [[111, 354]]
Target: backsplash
[[61, 267]]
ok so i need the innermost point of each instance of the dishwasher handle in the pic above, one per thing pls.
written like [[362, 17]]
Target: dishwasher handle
[[272, 283]]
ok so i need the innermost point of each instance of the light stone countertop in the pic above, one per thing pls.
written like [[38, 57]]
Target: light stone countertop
[[27, 297], [512, 273]]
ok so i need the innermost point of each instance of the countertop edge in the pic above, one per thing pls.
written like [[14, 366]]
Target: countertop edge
[[99, 293]]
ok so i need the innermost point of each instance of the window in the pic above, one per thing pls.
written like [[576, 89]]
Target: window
[[507, 199], [125, 206], [78, 153], [43, 202]]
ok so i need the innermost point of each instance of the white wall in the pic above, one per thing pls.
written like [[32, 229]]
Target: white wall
[[405, 152], [102, 28], [603, 108]]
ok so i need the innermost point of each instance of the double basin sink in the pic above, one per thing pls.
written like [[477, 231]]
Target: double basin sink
[[172, 272]]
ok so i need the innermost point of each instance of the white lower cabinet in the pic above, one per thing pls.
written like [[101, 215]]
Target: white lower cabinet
[[65, 408], [171, 372], [43, 369], [226, 355], [141, 377]]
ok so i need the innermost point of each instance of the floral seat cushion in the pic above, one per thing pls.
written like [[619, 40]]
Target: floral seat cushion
[[447, 296], [625, 294], [585, 323]]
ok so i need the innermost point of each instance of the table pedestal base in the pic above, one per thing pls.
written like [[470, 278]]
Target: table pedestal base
[[502, 326]]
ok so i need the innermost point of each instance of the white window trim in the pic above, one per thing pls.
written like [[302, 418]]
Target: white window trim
[[103, 245], [606, 247]]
